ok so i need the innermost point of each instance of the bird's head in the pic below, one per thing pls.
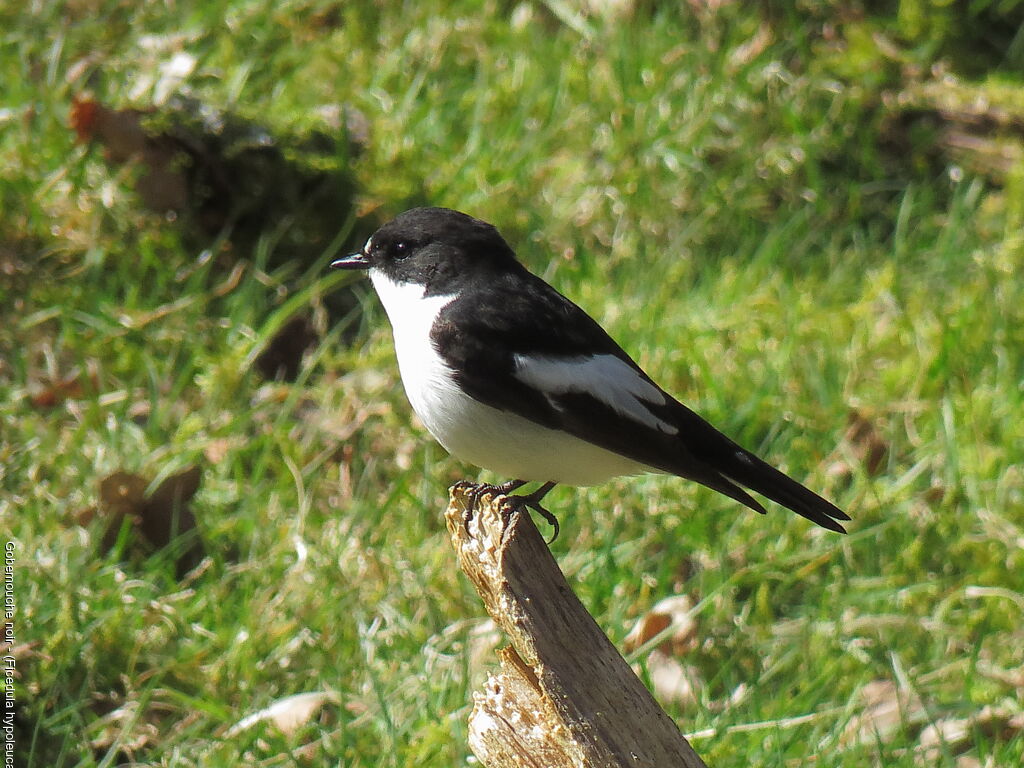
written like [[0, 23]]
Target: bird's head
[[432, 247]]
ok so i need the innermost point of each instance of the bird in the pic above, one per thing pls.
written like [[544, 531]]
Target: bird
[[509, 375]]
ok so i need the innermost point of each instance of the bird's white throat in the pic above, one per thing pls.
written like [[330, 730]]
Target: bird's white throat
[[425, 375], [410, 312]]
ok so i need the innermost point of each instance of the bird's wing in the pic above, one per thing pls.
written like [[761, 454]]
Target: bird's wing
[[520, 346]]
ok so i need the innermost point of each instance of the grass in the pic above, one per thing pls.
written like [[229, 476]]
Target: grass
[[730, 214]]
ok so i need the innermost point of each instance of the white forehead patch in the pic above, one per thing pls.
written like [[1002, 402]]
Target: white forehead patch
[[369, 244]]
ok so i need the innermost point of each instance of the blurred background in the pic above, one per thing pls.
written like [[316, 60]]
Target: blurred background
[[803, 219]]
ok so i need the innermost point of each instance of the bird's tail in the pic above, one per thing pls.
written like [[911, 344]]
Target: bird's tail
[[728, 469], [750, 471]]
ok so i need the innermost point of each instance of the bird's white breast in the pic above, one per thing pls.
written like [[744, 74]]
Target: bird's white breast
[[507, 444]]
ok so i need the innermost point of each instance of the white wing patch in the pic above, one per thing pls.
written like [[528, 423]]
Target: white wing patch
[[604, 377]]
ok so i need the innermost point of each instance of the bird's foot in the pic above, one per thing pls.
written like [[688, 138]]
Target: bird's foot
[[477, 491], [532, 501]]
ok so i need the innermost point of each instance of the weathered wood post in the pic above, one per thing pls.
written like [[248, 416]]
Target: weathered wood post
[[564, 697]]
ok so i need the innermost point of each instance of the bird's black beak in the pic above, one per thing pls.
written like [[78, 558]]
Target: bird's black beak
[[354, 261]]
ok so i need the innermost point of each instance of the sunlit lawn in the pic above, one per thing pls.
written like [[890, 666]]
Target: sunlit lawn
[[728, 212]]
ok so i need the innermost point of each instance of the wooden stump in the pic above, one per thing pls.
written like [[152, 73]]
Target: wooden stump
[[564, 695]]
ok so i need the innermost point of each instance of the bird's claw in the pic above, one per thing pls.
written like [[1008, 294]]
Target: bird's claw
[[476, 492], [525, 502]]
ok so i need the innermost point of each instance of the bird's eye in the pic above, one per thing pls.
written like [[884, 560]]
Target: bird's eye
[[400, 249]]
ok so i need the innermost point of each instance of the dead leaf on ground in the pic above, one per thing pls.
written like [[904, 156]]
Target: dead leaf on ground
[[167, 514], [1013, 677], [611, 10], [862, 444], [281, 359], [288, 715], [74, 386], [217, 449], [157, 520], [122, 495], [866, 442], [673, 616], [745, 53], [25, 652], [673, 680], [126, 728], [957, 735], [162, 185], [673, 621], [884, 709]]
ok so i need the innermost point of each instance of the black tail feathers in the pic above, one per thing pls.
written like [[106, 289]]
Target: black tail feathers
[[714, 460], [746, 469]]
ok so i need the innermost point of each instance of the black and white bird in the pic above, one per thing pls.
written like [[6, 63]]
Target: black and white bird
[[509, 375]]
